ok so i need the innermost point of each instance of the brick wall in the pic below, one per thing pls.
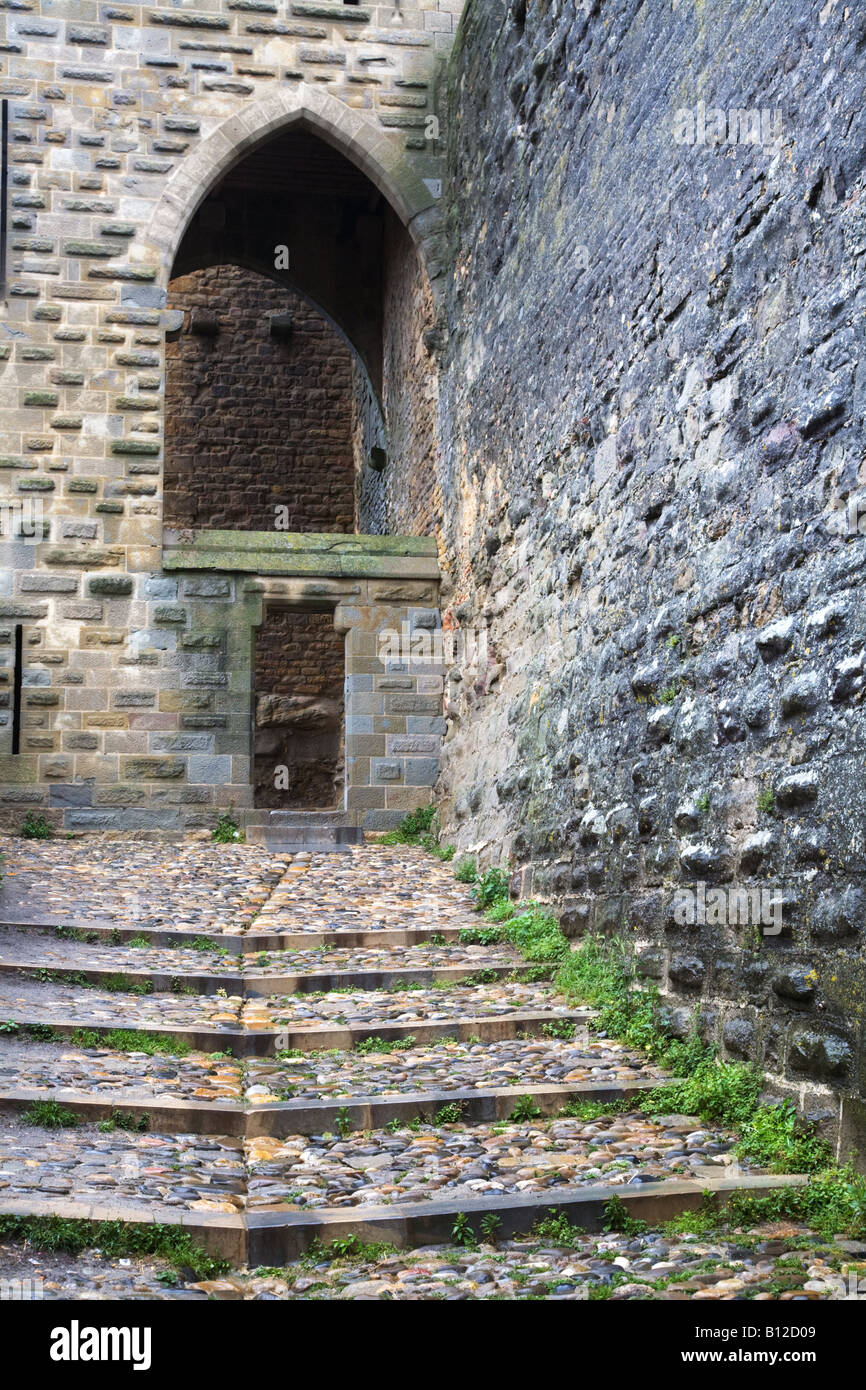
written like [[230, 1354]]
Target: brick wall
[[255, 421]]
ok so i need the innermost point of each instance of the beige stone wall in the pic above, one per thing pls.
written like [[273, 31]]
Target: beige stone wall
[[137, 682]]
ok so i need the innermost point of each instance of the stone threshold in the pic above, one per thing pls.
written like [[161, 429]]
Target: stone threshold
[[302, 554]]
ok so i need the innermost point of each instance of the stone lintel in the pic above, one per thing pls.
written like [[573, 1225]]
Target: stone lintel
[[303, 555]]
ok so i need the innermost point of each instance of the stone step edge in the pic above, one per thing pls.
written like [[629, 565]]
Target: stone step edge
[[219, 1233], [255, 1238], [262, 1042], [256, 941], [279, 1119], [274, 1238], [260, 986]]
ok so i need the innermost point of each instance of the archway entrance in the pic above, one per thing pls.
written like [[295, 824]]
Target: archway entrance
[[299, 377]]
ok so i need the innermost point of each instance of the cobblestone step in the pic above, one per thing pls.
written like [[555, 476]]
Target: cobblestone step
[[282, 839], [253, 986], [235, 943], [266, 1042], [798, 1265], [323, 1097], [408, 1162], [278, 1119], [253, 1239], [511, 1063], [252, 973]]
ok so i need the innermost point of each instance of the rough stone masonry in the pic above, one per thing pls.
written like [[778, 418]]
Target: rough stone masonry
[[652, 430]]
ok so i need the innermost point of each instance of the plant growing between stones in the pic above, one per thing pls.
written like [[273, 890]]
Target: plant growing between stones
[[766, 801], [38, 1032], [489, 888], [114, 1240], [377, 1044], [776, 1137], [227, 831], [525, 1108], [131, 1040], [420, 827], [462, 1232], [490, 1226], [450, 1114], [594, 1109], [480, 936], [124, 1119], [557, 1229], [49, 1114], [617, 1218], [35, 827], [465, 871], [558, 1028], [122, 984]]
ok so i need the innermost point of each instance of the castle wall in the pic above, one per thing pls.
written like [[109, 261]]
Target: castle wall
[[652, 405]]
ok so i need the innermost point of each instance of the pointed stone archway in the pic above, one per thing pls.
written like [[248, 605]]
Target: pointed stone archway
[[349, 131]]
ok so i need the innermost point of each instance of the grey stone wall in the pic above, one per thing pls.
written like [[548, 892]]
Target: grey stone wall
[[652, 406]]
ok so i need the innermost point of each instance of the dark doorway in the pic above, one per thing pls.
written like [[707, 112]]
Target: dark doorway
[[300, 668]]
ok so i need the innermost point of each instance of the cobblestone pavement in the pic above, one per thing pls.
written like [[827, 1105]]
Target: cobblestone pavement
[[41, 950], [356, 1007], [46, 1003], [764, 1265], [419, 1164], [188, 885], [447, 1066], [37, 1274], [209, 891], [769, 1264], [196, 1172], [369, 889], [25, 999], [324, 960], [202, 1173], [127, 1076]]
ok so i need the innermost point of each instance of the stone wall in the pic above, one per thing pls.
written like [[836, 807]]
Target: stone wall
[[653, 400], [368, 433], [137, 679], [412, 497], [256, 418]]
